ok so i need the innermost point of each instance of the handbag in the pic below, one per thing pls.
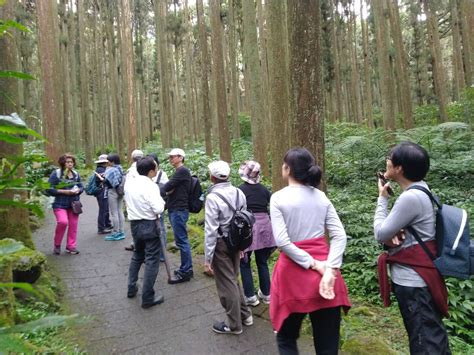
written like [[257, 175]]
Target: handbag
[[76, 207]]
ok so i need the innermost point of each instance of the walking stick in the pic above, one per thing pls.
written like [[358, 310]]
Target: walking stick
[[163, 247]]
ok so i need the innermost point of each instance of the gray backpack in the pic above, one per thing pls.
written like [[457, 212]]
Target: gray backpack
[[455, 256]]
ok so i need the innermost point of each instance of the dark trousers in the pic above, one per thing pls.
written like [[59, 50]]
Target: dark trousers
[[425, 328], [261, 258], [103, 220], [226, 274], [325, 324], [146, 237]]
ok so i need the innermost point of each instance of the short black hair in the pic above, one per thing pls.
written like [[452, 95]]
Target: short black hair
[[303, 166], [414, 160], [114, 158], [155, 158], [145, 165]]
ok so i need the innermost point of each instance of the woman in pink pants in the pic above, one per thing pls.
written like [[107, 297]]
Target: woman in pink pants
[[66, 187]]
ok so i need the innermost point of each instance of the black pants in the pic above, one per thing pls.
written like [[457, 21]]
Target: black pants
[[426, 331], [325, 324], [103, 220], [146, 237]]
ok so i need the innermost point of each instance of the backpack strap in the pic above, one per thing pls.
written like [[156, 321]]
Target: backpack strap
[[159, 177], [232, 208], [433, 198], [421, 242]]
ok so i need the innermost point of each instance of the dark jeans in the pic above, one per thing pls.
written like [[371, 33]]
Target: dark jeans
[[103, 220], [146, 236], [178, 219], [325, 324], [261, 258], [422, 320]]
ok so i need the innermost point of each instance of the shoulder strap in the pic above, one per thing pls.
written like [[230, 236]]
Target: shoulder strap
[[426, 191], [412, 230], [58, 173], [159, 177], [421, 242], [226, 201]]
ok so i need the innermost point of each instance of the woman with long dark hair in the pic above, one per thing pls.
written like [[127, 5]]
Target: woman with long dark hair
[[306, 278], [65, 186]]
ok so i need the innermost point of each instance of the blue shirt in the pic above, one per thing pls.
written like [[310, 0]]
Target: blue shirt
[[61, 182]]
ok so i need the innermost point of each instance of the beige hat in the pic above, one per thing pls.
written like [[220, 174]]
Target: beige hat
[[137, 154], [219, 169], [102, 159], [177, 151]]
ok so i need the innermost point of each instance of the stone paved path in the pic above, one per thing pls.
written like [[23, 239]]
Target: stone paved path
[[96, 282]]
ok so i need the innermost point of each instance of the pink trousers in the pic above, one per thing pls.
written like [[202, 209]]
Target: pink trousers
[[66, 219]]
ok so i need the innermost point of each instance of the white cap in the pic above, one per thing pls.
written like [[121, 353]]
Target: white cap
[[219, 169], [102, 159], [177, 151], [136, 154]]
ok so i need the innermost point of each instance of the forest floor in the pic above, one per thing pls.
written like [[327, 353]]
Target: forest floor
[[96, 285]]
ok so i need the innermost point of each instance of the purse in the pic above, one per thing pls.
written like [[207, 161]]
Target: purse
[[76, 207]]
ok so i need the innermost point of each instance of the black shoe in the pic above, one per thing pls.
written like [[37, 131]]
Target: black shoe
[[131, 247], [157, 300], [190, 273], [132, 292], [179, 278]]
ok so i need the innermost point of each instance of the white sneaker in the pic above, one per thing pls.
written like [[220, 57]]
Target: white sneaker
[[252, 301], [248, 321], [265, 299]]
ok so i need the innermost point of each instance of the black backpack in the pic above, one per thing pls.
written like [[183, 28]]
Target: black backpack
[[455, 255], [196, 197], [240, 235]]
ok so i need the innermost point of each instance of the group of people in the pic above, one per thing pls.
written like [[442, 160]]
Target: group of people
[[299, 219]]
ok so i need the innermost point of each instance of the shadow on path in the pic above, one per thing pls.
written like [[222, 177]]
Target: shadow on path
[[96, 286]]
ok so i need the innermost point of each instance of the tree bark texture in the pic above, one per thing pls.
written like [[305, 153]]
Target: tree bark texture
[[304, 20], [48, 49], [278, 83], [220, 87]]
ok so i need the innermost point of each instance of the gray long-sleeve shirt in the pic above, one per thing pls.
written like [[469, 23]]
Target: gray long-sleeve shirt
[[218, 214], [301, 213], [412, 208]]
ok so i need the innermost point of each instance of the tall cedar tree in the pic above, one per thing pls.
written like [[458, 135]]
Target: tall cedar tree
[[220, 87], [306, 96]]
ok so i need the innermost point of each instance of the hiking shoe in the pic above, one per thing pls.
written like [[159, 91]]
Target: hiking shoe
[[132, 291], [57, 250], [265, 299], [72, 251], [252, 301], [115, 236], [222, 328], [248, 321], [120, 236]]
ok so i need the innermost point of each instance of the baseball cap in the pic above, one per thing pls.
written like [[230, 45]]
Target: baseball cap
[[177, 151], [137, 154], [219, 169]]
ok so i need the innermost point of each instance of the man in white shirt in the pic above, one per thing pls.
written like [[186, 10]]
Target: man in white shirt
[[144, 206], [131, 174]]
